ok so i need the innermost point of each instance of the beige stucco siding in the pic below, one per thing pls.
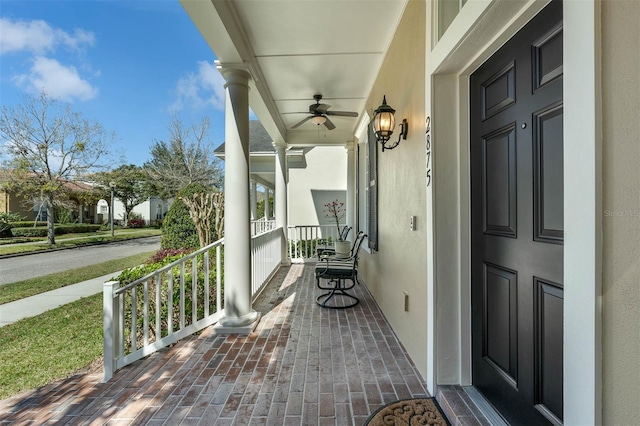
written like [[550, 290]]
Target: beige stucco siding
[[621, 216], [400, 264]]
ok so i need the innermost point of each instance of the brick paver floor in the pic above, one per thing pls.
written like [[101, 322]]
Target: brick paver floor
[[304, 365]]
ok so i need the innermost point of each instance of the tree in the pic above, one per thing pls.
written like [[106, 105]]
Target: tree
[[129, 186], [196, 218], [186, 158], [206, 210], [48, 145]]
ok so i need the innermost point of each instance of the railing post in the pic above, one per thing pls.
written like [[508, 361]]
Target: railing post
[[111, 315]]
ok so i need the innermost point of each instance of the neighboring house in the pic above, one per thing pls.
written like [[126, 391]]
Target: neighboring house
[[83, 205], [10, 202], [507, 219], [151, 210]]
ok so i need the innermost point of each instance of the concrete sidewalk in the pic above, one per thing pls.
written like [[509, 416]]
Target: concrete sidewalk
[[35, 305]]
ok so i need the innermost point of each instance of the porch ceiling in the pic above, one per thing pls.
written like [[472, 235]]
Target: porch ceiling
[[295, 49]]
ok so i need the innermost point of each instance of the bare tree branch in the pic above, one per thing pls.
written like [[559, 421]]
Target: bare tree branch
[[48, 144]]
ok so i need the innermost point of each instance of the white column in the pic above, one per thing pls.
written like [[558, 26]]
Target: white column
[[239, 317], [254, 201], [281, 196], [351, 189], [267, 205]]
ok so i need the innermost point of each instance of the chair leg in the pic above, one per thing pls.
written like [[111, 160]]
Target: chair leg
[[338, 290]]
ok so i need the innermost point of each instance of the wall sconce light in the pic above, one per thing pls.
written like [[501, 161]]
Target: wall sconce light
[[383, 123], [318, 119]]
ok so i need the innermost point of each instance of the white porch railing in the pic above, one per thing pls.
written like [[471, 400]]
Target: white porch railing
[[175, 301], [303, 240], [262, 225], [266, 257]]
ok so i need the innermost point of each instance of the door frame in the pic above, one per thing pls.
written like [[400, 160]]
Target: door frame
[[468, 42]]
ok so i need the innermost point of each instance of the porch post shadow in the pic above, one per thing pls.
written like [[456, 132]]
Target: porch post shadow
[[239, 316]]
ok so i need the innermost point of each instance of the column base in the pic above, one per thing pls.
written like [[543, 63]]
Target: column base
[[237, 325]]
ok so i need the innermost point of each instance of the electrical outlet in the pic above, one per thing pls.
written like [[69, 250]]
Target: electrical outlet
[[412, 223]]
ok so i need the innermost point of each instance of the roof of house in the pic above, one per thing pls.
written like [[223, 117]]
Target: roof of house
[[259, 139]]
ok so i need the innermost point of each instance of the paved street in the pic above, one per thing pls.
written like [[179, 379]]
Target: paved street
[[34, 265]]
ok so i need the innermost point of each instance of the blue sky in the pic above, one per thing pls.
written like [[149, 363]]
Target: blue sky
[[128, 64]]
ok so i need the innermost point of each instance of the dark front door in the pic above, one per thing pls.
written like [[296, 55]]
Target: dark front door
[[517, 223]]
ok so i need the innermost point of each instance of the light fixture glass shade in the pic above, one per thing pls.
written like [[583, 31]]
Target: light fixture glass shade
[[384, 121], [318, 119]]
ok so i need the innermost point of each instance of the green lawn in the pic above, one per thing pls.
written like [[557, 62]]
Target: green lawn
[[35, 351], [74, 240], [33, 286]]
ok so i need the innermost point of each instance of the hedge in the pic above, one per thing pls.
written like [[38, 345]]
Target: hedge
[[26, 224], [41, 231]]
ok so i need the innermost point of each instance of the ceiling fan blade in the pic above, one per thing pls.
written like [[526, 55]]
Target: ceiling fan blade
[[342, 113], [300, 123], [328, 124]]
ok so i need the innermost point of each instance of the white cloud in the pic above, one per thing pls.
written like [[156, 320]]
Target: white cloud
[[56, 80], [203, 88], [39, 37]]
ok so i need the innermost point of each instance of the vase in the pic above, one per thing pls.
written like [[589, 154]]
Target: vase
[[343, 248]]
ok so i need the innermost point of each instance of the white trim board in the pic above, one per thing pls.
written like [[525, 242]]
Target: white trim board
[[470, 40]]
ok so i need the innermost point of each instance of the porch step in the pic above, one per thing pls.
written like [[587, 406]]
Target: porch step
[[465, 406]]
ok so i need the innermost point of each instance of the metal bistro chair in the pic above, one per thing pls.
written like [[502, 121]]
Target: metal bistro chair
[[329, 249], [336, 272]]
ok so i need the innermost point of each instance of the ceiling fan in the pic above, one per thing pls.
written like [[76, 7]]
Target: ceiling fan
[[319, 113]]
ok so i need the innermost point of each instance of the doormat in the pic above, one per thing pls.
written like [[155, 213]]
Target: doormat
[[419, 411]]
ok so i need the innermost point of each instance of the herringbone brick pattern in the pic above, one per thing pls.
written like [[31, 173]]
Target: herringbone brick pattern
[[304, 365]]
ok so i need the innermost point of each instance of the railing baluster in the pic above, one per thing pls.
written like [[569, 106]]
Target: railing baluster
[[207, 301], [182, 295], [158, 281], [120, 325], [145, 313], [170, 303], [194, 290], [134, 319], [218, 279]]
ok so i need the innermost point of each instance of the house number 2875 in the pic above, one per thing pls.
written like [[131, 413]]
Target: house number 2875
[[428, 147]]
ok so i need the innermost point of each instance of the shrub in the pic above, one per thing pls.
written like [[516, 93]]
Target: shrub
[[137, 223], [27, 224], [178, 230], [41, 231], [6, 220], [163, 254]]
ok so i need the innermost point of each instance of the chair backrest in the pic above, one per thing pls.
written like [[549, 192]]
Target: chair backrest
[[345, 232], [355, 249]]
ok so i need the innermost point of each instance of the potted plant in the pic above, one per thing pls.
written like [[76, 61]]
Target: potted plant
[[336, 210]]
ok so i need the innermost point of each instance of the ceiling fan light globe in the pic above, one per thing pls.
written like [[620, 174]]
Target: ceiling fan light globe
[[318, 119]]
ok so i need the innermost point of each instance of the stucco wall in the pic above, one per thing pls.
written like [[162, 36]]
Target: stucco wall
[[322, 181], [10, 203], [400, 264], [621, 216]]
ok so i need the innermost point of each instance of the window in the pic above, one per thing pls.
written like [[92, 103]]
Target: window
[[447, 11], [372, 204], [367, 187]]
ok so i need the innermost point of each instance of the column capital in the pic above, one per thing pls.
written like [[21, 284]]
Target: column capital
[[234, 73]]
